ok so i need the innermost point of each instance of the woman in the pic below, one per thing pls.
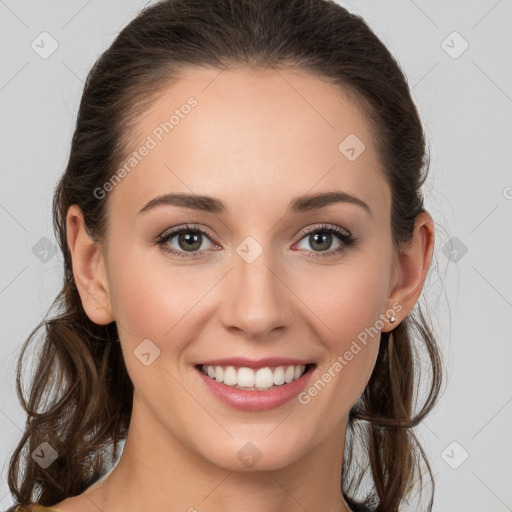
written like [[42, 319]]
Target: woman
[[244, 243]]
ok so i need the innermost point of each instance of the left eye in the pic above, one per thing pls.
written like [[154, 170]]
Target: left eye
[[321, 240]]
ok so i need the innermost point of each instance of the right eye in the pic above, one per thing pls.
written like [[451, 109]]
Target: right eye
[[189, 241]]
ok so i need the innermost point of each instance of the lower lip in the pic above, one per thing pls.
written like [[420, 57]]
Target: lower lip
[[255, 400]]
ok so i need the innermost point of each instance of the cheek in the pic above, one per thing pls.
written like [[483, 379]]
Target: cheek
[[154, 299], [347, 304], [347, 299]]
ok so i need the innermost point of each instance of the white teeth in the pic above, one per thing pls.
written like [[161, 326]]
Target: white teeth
[[230, 376], [288, 375], [261, 379], [245, 377], [279, 376], [219, 374], [264, 378]]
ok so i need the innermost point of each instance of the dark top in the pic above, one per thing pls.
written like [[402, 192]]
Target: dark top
[[359, 507]]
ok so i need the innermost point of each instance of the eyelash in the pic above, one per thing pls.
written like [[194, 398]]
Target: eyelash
[[346, 238]]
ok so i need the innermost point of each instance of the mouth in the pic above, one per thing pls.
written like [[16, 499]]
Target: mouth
[[255, 385], [254, 379]]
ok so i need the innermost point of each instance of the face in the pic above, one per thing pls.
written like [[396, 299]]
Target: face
[[255, 281]]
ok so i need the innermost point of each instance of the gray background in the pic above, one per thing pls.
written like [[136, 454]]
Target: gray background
[[465, 100]]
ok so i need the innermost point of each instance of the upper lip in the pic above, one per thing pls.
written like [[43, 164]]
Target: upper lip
[[255, 363]]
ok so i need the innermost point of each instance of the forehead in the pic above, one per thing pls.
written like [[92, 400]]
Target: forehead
[[256, 136]]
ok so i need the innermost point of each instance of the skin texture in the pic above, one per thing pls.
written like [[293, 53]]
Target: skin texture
[[256, 140]]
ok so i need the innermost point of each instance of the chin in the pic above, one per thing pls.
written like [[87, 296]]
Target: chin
[[258, 452]]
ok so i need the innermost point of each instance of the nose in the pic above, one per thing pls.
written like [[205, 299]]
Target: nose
[[257, 299]]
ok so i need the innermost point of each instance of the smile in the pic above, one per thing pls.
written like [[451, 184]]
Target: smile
[[261, 379], [252, 385]]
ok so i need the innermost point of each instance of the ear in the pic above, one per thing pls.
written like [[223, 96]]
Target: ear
[[411, 267], [88, 269]]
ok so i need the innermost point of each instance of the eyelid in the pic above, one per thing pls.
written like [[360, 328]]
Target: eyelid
[[325, 226], [184, 227]]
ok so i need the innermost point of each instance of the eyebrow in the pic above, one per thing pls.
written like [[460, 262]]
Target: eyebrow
[[297, 205]]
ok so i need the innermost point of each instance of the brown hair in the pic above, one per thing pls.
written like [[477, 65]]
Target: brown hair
[[80, 397]]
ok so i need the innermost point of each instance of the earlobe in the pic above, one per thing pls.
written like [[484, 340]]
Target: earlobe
[[88, 269], [412, 265]]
